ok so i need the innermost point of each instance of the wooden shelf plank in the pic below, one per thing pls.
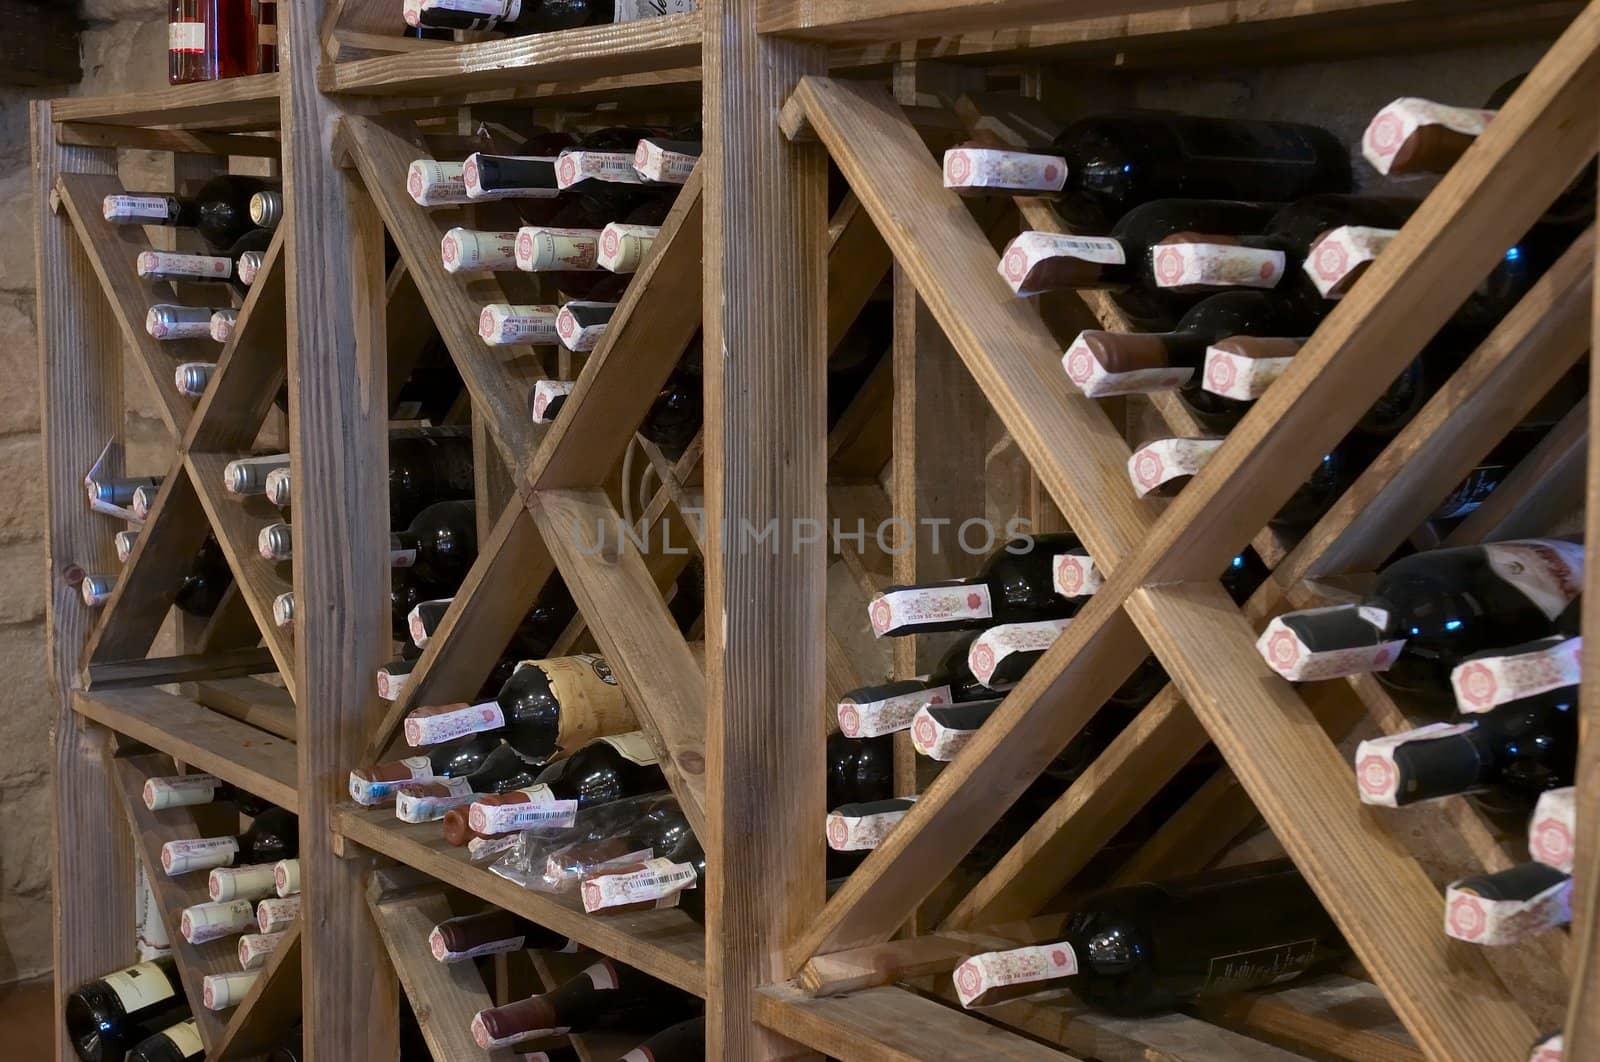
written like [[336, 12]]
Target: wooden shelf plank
[[160, 670], [251, 701], [232, 103], [647, 45], [239, 754], [891, 1025], [271, 1006], [860, 20], [664, 944], [1332, 1015]]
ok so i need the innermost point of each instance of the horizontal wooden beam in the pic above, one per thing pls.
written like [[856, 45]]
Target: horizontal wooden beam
[[864, 20], [160, 670], [184, 141], [231, 103]]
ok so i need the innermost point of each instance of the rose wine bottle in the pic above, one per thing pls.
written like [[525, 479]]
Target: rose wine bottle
[[210, 39]]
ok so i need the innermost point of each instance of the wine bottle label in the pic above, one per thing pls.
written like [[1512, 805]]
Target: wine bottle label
[[372, 786], [212, 921], [623, 247], [1378, 777], [876, 710], [139, 986], [1394, 126], [940, 734], [165, 265], [1548, 572], [994, 645], [255, 947], [635, 10], [137, 209], [1553, 827], [592, 704], [523, 809], [186, 37], [658, 880], [277, 914], [481, 849], [467, 251], [980, 975], [634, 747], [221, 325], [1287, 654], [1479, 919], [1096, 379], [1216, 265], [1484, 683], [545, 393], [501, 324], [479, 194], [428, 801], [417, 623], [1341, 255], [1244, 970], [433, 183], [241, 883], [575, 335], [1007, 171], [1242, 373], [391, 685], [185, 1036], [180, 791], [1551, 1049], [1075, 575], [611, 167], [402, 558], [221, 991], [202, 853], [862, 827], [656, 163], [441, 950], [1164, 460], [541, 248], [286, 877], [901, 611], [437, 723], [488, 13], [1027, 252]]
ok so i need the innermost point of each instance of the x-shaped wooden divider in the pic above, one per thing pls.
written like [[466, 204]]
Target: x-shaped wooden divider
[[1160, 589]]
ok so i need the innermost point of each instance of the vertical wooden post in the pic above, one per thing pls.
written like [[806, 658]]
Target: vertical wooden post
[[766, 461], [338, 417], [80, 396]]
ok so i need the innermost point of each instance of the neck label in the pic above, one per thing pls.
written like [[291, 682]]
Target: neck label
[[1075, 575], [991, 648], [1488, 682], [1548, 572], [1394, 126], [902, 611], [1378, 777], [1164, 460], [980, 975], [431, 726], [1010, 171], [1553, 827], [1216, 265]]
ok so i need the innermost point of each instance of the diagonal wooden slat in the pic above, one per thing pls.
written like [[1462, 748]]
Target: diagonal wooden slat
[[251, 368], [1545, 486], [617, 595], [271, 1006]]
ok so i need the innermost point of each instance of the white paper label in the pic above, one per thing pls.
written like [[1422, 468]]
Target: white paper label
[[1548, 572], [634, 10], [994, 645], [185, 1036], [1085, 369], [277, 914], [501, 324], [1550, 1049], [1378, 776], [241, 883], [392, 685], [1008, 171], [1075, 575], [466, 251], [187, 37], [1397, 123], [936, 741], [201, 853], [221, 991], [135, 208], [222, 324], [1216, 265], [430, 726], [1479, 920], [849, 832], [1164, 460], [541, 248], [656, 163], [255, 947], [623, 247], [612, 167], [634, 747], [996, 969], [1027, 251], [140, 986], [286, 877], [371, 792], [575, 336], [885, 715], [1286, 654], [1340, 252], [162, 264], [1235, 376], [433, 183], [898, 611], [1483, 684], [213, 921], [1553, 828], [545, 392], [183, 790], [659, 880]]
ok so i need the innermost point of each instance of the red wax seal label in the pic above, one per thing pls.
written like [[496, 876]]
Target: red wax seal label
[[469, 172], [1069, 573], [608, 243], [1169, 265], [1267, 270], [1284, 648], [983, 662], [1016, 265], [1080, 365], [1051, 172], [1376, 776], [1221, 373], [641, 156], [566, 324], [960, 166], [926, 732], [451, 251], [1330, 260], [974, 601], [838, 833], [1467, 918], [566, 169], [1149, 468], [1477, 685], [968, 979], [849, 720], [1384, 135], [881, 616], [1552, 842]]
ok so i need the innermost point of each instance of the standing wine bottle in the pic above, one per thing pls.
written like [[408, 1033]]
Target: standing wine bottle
[[1154, 948], [514, 18], [544, 709], [1429, 612], [219, 210], [493, 932], [108, 1016], [210, 39], [273, 835], [1118, 363], [371, 786], [1014, 585], [179, 1042], [683, 1042], [606, 994]]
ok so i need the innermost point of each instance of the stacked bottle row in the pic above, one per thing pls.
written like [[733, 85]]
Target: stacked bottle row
[[517, 18], [1227, 264]]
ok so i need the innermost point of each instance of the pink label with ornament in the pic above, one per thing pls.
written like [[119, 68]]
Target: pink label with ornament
[[1550, 1049], [1553, 829], [546, 392], [1483, 684], [1216, 265], [575, 336], [897, 611], [432, 183], [613, 167], [1397, 123], [1286, 654], [1493, 923], [994, 645], [885, 715], [1019, 966], [1085, 369], [655, 163], [501, 324], [1378, 776], [1548, 572], [468, 251], [162, 264], [430, 726], [1339, 252], [1024, 254], [201, 853], [1164, 460], [479, 194], [660, 880], [1235, 376], [1075, 575], [541, 248], [851, 832], [936, 741], [1009, 171], [623, 247]]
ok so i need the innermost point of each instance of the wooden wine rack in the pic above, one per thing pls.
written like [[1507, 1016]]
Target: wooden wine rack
[[749, 259]]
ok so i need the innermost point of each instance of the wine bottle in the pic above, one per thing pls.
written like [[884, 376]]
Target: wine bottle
[[580, 324], [440, 543], [862, 827], [674, 417], [639, 885], [554, 249], [606, 994], [1507, 907], [501, 771], [1162, 467], [609, 769], [1153, 948], [256, 948], [222, 325], [1000, 656], [253, 882], [193, 377], [192, 790], [276, 914], [487, 177], [871, 711], [1103, 363], [96, 590], [544, 709], [371, 786], [219, 211], [273, 835], [286, 877], [601, 166], [683, 1042], [493, 932], [179, 1042], [291, 1048], [117, 493], [202, 590], [940, 732], [623, 248], [1550, 1048], [1014, 585], [236, 265], [202, 923], [465, 250], [1492, 471], [108, 1016], [1428, 613], [504, 324], [1553, 829], [169, 323], [514, 18], [248, 475], [860, 770], [665, 161], [210, 39], [223, 991]]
